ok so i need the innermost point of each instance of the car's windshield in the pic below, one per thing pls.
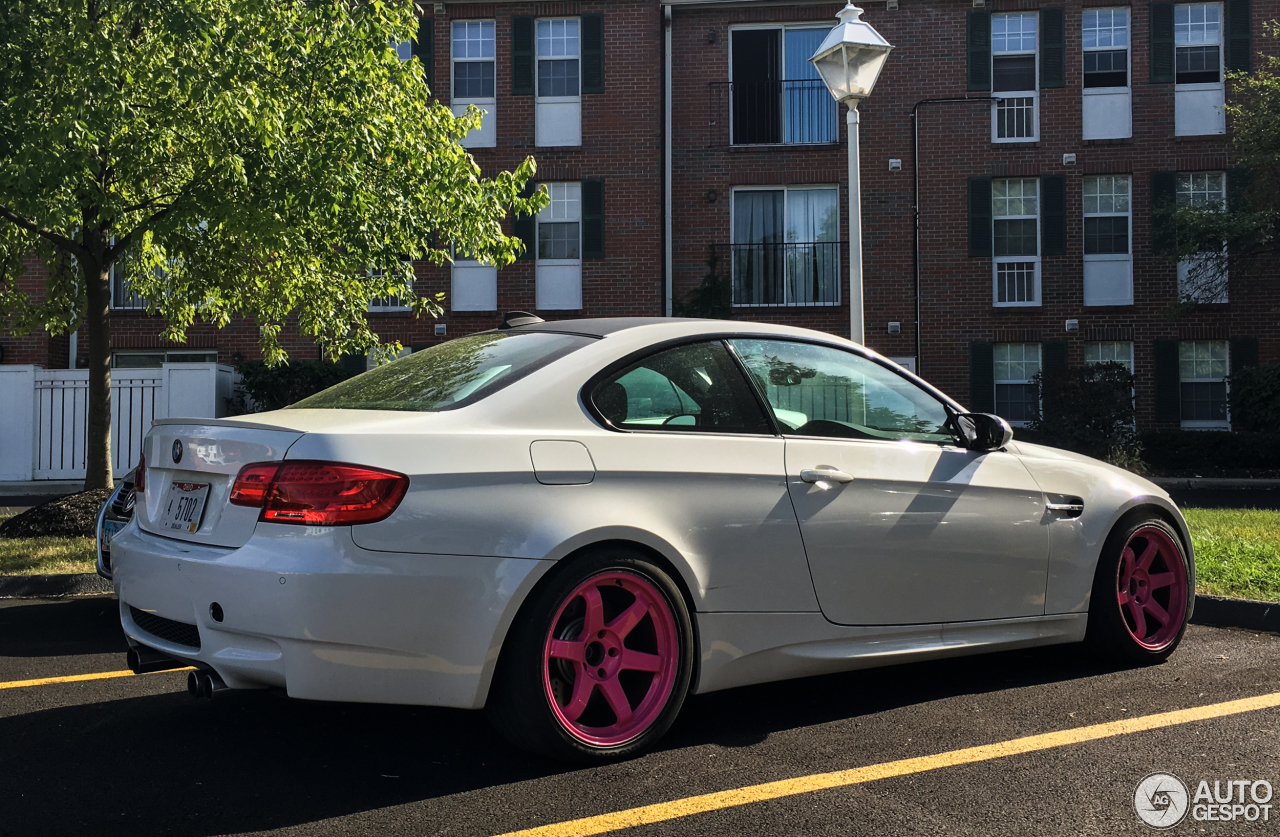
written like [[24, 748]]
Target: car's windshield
[[448, 375]]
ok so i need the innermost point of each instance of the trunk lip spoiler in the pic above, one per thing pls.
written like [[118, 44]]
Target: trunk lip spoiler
[[223, 422]]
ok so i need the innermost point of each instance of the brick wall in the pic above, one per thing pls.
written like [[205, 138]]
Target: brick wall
[[622, 135]]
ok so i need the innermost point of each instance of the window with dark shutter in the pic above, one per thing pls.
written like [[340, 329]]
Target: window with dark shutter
[[1053, 48], [1163, 195], [1244, 353], [1053, 214], [980, 217], [1239, 42], [593, 219], [1161, 43], [424, 49], [1168, 397], [522, 56], [524, 227], [982, 382], [979, 40], [593, 53]]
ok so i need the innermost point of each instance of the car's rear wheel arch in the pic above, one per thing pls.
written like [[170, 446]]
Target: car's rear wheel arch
[[643, 550]]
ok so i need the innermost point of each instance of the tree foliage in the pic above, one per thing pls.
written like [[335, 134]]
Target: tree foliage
[[268, 159], [712, 299], [1089, 410], [265, 388], [1245, 233], [1255, 398]]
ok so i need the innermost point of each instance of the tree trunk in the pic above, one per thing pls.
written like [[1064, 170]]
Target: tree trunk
[[98, 325]]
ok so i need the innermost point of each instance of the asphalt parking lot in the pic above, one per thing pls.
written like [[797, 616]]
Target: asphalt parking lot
[[136, 755]]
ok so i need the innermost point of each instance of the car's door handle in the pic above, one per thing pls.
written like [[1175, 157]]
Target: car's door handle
[[825, 473]]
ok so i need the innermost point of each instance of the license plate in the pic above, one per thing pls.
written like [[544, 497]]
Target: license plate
[[109, 529], [183, 506]]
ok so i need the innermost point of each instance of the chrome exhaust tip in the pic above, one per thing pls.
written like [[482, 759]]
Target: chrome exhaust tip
[[144, 660]]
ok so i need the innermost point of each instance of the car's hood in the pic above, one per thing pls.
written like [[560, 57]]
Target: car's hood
[[1064, 472]]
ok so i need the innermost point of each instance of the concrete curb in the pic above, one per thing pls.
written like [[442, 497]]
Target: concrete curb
[[1216, 482], [1237, 613], [52, 586]]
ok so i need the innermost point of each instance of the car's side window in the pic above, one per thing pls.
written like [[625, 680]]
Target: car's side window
[[692, 387], [823, 391]]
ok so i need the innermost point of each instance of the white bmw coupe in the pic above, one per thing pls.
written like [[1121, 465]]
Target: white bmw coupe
[[577, 524]]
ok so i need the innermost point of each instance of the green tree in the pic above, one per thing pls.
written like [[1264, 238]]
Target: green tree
[[269, 159], [1245, 233]]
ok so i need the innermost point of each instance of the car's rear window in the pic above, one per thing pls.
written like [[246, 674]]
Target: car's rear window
[[449, 375]]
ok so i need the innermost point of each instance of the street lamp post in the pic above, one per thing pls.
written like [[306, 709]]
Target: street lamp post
[[850, 60]]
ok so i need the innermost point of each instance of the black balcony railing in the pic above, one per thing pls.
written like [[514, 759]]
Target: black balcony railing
[[772, 112], [122, 296], [785, 273]]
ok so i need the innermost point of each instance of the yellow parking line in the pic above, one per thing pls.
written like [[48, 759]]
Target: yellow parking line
[[664, 811], [78, 678]]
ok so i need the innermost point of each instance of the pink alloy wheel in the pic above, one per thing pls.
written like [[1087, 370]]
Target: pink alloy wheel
[[611, 658], [1151, 586]]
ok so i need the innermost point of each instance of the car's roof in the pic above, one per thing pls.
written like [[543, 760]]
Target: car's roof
[[603, 326], [668, 327]]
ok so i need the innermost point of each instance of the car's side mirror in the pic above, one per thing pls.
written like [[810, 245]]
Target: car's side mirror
[[983, 431]]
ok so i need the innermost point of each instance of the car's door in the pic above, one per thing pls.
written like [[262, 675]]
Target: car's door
[[697, 462], [901, 525]]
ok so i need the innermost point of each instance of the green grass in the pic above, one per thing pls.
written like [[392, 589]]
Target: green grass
[[1237, 552], [46, 556]]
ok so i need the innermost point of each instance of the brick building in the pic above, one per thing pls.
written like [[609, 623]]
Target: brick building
[[667, 133]]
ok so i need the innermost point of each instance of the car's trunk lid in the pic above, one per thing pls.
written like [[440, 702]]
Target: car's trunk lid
[[191, 454]]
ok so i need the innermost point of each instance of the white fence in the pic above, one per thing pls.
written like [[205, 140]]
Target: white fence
[[43, 413]]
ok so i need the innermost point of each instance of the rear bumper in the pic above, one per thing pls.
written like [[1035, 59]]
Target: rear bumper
[[307, 610]]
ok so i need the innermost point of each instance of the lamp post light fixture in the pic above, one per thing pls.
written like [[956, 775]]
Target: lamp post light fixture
[[850, 60]]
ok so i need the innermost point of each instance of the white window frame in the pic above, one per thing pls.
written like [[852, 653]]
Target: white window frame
[[1124, 357], [384, 304], [782, 59], [165, 354], [552, 112], [996, 261], [468, 271], [839, 226], [487, 136], [1006, 381], [1225, 380], [1185, 266], [1194, 94], [1101, 104], [1033, 94], [565, 206], [1110, 260]]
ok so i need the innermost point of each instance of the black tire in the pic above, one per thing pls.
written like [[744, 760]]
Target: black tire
[[520, 703], [1111, 632]]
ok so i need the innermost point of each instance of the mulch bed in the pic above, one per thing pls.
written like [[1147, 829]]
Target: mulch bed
[[73, 516]]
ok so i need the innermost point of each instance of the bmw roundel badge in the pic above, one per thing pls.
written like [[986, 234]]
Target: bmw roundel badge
[[177, 451]]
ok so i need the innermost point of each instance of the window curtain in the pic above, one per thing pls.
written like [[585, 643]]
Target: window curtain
[[757, 233], [810, 110], [813, 257]]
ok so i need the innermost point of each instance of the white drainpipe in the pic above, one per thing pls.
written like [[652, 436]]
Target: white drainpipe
[[666, 154]]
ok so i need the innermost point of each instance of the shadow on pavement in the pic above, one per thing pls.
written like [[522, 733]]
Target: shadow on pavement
[[252, 761], [62, 628]]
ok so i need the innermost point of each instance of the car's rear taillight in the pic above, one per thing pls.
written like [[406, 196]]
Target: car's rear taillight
[[140, 476], [318, 493], [252, 484]]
